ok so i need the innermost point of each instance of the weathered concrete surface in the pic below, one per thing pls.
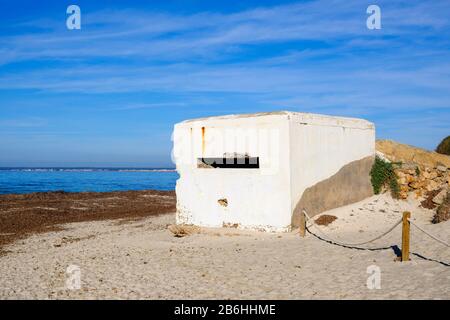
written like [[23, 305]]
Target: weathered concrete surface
[[255, 198], [295, 152], [319, 149], [350, 184]]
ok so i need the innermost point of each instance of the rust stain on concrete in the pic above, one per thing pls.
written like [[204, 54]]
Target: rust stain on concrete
[[203, 141]]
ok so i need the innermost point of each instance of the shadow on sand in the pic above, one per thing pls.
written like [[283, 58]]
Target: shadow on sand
[[397, 251]]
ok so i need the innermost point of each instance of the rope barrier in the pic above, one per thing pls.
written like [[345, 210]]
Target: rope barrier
[[351, 244], [429, 234]]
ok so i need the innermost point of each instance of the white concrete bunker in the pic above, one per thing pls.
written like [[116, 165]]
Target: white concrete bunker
[[258, 171]]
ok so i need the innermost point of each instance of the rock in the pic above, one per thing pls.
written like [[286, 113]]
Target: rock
[[402, 180], [428, 201], [404, 189], [443, 211], [433, 175], [400, 173], [441, 168], [410, 178], [426, 174], [432, 185], [439, 198], [419, 184]]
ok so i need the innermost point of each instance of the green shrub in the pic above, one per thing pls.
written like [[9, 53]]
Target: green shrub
[[383, 174], [444, 146]]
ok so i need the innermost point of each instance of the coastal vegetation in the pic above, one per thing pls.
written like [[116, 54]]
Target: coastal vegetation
[[383, 175], [444, 146]]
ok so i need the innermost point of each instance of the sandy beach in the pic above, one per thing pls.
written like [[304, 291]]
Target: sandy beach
[[141, 259], [25, 214]]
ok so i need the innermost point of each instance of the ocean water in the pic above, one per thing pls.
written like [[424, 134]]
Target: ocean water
[[27, 180]]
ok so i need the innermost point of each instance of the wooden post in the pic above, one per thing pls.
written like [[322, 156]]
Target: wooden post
[[405, 236], [302, 224]]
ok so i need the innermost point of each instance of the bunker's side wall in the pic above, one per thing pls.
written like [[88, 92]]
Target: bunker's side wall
[[330, 164]]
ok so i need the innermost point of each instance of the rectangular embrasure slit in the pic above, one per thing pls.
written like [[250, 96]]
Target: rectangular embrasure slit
[[229, 162]]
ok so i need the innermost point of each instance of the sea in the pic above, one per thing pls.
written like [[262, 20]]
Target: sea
[[28, 180]]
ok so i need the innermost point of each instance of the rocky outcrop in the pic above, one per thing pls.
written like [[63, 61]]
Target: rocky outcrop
[[424, 174], [395, 152], [420, 180]]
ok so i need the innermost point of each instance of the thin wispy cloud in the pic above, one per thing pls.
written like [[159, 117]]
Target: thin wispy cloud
[[315, 56], [155, 35], [30, 122]]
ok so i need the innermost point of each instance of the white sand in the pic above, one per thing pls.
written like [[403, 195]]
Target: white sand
[[143, 260]]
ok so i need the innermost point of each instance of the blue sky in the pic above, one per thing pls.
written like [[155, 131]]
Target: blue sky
[[110, 93]]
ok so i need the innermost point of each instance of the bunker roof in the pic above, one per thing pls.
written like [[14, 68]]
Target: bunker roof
[[301, 117]]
